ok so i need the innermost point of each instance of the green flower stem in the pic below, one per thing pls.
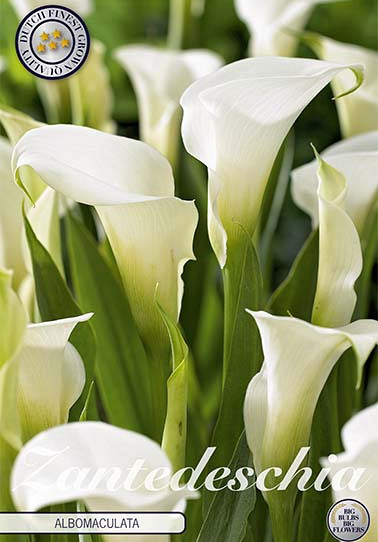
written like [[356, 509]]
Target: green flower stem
[[281, 509], [272, 205], [242, 354], [77, 109], [55, 96], [348, 396], [325, 439], [179, 22]]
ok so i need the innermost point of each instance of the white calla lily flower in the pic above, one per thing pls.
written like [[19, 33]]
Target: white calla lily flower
[[16, 124], [358, 113], [43, 216], [51, 375], [41, 377], [360, 439], [270, 24], [132, 187], [96, 447], [357, 159], [281, 399], [283, 395], [41, 373], [235, 122], [23, 7], [340, 254], [11, 223], [159, 78]]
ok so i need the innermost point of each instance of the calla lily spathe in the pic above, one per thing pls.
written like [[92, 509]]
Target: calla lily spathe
[[93, 446], [360, 440], [41, 376], [357, 159], [235, 121], [11, 223], [283, 395], [281, 399], [22, 7], [51, 375], [159, 78], [16, 124], [132, 187], [271, 22], [43, 216], [358, 113], [340, 254], [41, 373]]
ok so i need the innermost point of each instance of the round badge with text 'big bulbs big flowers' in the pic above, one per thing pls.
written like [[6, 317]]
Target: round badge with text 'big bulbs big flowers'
[[52, 42], [348, 520]]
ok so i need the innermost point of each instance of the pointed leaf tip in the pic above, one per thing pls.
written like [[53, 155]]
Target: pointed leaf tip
[[317, 155], [359, 73]]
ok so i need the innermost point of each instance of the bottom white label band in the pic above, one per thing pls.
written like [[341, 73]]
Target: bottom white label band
[[93, 523]]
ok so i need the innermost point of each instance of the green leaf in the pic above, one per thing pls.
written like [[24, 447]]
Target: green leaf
[[325, 439], [242, 348], [274, 197], [54, 302], [120, 359], [192, 184], [227, 517], [80, 506], [371, 393], [7, 456], [259, 523], [208, 345], [348, 396], [296, 294], [175, 427]]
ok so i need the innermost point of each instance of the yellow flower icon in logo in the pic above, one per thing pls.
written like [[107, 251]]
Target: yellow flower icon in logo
[[65, 43]]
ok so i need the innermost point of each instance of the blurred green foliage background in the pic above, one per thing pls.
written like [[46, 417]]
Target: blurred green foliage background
[[116, 22]]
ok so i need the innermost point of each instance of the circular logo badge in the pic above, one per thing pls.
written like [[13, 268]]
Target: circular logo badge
[[348, 520], [52, 42]]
